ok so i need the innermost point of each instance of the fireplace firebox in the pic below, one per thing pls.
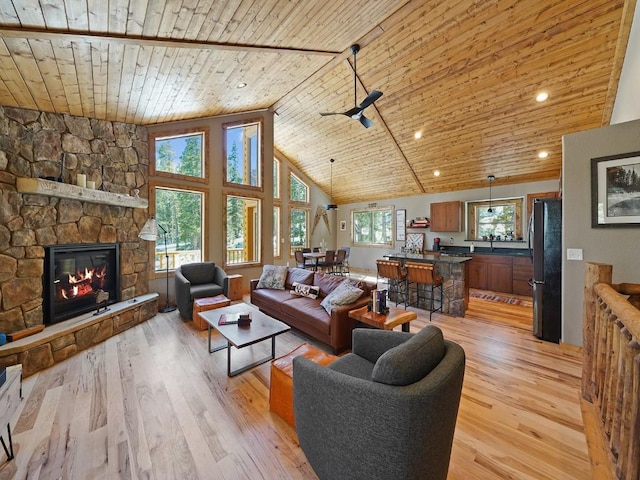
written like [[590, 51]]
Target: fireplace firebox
[[73, 276]]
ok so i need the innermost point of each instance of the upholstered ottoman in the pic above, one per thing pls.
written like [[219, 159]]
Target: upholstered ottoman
[[281, 389], [204, 304]]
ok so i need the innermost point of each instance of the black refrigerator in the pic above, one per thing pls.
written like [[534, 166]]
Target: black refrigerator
[[545, 242]]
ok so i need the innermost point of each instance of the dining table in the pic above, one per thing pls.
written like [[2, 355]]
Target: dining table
[[316, 256]]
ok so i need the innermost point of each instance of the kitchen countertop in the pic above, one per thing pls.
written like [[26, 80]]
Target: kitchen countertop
[[427, 258], [511, 252]]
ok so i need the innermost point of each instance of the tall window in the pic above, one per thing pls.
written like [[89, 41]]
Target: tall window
[[242, 230], [298, 190], [179, 154], [372, 227], [299, 228], [243, 153], [276, 178], [180, 212], [504, 219], [276, 232]]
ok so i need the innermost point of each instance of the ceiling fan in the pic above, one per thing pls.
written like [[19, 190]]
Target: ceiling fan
[[357, 112]]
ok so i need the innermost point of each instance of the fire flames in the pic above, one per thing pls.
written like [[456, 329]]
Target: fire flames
[[83, 283]]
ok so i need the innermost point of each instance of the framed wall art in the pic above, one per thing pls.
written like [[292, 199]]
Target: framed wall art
[[615, 191], [343, 225], [401, 224]]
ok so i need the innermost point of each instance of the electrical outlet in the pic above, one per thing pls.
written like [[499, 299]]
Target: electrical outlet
[[574, 254]]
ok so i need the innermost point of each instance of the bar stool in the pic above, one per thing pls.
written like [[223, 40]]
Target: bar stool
[[396, 279], [426, 282]]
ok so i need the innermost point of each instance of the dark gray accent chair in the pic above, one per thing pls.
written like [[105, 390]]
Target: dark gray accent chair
[[387, 410], [198, 280]]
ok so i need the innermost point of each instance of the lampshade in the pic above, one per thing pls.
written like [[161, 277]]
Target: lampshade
[[149, 230]]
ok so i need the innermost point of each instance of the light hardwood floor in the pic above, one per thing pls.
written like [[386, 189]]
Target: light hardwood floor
[[151, 403]]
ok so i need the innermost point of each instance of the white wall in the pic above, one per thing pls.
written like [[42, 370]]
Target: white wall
[[614, 246]]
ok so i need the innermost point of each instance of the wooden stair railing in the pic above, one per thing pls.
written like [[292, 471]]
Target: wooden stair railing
[[611, 374]]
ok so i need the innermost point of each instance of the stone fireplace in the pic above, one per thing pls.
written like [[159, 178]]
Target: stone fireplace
[[73, 276], [114, 156]]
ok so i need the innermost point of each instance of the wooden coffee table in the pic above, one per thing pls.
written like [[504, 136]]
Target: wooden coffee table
[[389, 321], [262, 327]]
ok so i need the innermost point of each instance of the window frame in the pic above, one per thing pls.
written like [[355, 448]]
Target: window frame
[[260, 234], [372, 210], [153, 186], [277, 230], [472, 218], [173, 133], [260, 174], [277, 187]]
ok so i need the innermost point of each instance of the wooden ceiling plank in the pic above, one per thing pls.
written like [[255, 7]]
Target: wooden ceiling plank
[[98, 15], [22, 55], [29, 13], [243, 16], [77, 15], [161, 82], [185, 18], [118, 13], [152, 18], [114, 74], [212, 14], [54, 14], [151, 66], [136, 17], [169, 18], [13, 80], [127, 78], [8, 14], [221, 21], [84, 72], [45, 59], [179, 70], [99, 62]]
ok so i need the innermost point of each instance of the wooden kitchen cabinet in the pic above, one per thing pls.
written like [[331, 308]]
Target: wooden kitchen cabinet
[[491, 272], [446, 216], [522, 273]]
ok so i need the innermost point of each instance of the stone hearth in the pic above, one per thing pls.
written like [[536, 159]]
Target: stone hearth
[[62, 340]]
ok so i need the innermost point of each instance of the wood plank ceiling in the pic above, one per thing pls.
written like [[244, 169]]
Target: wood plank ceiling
[[464, 73]]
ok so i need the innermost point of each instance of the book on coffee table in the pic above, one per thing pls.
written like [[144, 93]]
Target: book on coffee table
[[235, 318]]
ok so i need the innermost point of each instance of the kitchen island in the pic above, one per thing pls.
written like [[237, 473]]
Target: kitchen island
[[454, 271]]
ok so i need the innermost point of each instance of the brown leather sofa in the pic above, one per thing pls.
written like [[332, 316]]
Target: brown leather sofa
[[306, 314]]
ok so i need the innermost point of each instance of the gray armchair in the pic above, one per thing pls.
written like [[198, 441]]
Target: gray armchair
[[197, 280], [386, 410]]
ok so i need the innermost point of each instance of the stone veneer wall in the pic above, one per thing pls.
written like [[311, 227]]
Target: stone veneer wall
[[32, 144]]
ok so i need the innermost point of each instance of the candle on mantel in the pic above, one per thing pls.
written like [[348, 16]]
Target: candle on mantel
[[81, 180], [91, 184]]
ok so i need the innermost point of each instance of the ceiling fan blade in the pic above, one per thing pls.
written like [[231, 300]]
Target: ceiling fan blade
[[372, 97], [324, 114], [353, 112], [366, 123]]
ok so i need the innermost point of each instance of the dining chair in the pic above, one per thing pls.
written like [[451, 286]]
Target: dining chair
[[328, 265], [339, 263]]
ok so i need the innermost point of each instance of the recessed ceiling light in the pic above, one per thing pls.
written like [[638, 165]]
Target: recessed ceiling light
[[417, 135], [241, 85], [542, 96], [543, 154], [436, 173]]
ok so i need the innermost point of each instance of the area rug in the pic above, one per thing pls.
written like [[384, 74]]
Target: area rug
[[501, 298]]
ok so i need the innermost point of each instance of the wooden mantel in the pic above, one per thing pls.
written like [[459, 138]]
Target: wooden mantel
[[38, 186]]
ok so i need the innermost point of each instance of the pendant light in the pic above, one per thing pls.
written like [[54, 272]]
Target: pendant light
[[491, 178], [331, 206]]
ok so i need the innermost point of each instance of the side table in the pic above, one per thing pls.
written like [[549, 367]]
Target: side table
[[388, 321], [207, 303], [235, 287], [10, 396]]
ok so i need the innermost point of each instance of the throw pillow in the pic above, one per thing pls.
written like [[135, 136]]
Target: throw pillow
[[412, 360], [343, 294], [273, 276], [310, 291]]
